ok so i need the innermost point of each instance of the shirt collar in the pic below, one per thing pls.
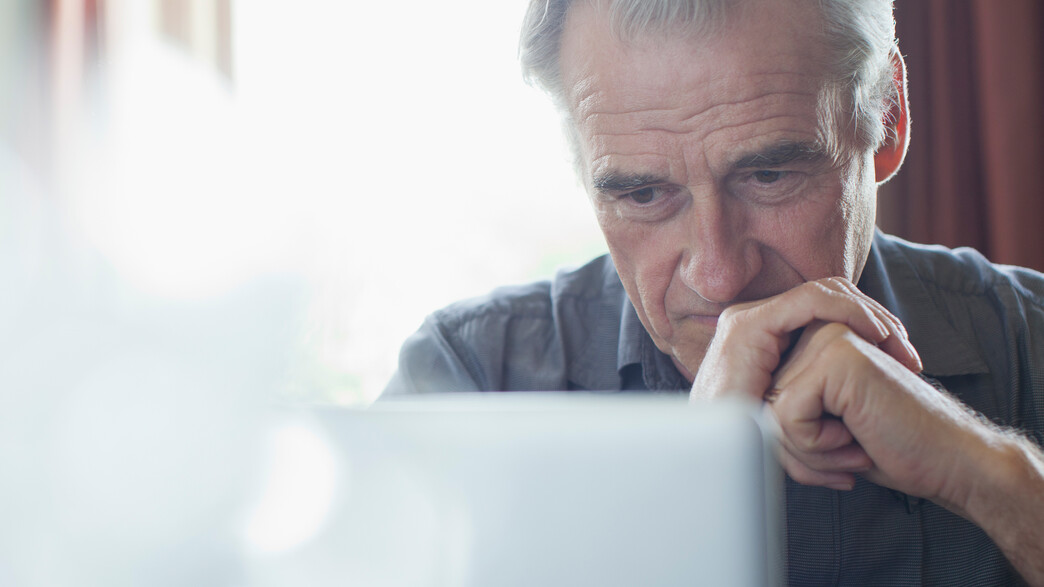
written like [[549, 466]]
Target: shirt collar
[[601, 329], [632, 331], [611, 318], [637, 347]]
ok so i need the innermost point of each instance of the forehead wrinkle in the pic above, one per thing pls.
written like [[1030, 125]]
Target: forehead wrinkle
[[599, 119], [583, 91], [615, 123], [762, 122], [750, 87], [748, 103]]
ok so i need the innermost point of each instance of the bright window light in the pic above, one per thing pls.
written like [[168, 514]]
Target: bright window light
[[426, 170], [384, 157]]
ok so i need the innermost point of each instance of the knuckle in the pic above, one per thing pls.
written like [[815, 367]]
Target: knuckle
[[833, 283], [845, 284], [827, 290], [837, 288], [820, 286]]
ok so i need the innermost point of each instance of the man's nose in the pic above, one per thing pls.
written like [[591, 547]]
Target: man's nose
[[719, 259]]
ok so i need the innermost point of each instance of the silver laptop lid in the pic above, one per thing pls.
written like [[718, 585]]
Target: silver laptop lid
[[520, 489]]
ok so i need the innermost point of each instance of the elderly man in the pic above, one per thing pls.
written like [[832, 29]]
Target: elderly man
[[732, 152]]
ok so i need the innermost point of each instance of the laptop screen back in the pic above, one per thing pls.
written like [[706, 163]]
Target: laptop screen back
[[539, 489]]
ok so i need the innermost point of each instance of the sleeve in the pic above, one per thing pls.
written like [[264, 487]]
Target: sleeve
[[1031, 357], [428, 363]]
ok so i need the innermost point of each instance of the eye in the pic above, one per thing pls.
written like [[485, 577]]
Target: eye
[[642, 196], [767, 186], [649, 204], [767, 176]]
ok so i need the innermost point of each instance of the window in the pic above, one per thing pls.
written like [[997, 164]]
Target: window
[[369, 162]]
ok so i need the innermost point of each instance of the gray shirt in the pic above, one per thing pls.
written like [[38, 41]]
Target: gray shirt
[[978, 327]]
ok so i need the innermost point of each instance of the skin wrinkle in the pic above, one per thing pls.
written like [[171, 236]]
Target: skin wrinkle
[[587, 118], [754, 85], [777, 95], [750, 87], [679, 132]]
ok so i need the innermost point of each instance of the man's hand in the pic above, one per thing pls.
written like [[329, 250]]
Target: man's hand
[[849, 400], [751, 338], [846, 407]]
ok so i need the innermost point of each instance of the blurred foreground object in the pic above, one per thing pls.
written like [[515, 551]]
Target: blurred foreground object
[[130, 388], [526, 489]]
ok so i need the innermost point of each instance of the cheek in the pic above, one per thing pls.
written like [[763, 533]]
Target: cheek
[[646, 263], [812, 245], [815, 236]]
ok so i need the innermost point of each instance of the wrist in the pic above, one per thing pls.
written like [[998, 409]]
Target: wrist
[[987, 465], [1006, 505], [1002, 475]]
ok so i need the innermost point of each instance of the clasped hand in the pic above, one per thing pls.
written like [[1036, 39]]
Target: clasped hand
[[846, 393]]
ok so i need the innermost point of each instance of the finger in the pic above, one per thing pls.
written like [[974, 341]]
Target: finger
[[804, 475], [822, 442], [817, 436], [751, 338], [794, 362], [897, 343], [741, 359], [901, 350], [822, 300], [847, 459]]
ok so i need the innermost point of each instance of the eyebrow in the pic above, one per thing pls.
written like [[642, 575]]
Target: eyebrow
[[781, 154], [774, 156], [622, 182]]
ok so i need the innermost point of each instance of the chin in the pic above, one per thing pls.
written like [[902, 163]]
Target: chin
[[687, 358]]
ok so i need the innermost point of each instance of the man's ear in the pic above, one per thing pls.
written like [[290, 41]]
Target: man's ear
[[889, 156]]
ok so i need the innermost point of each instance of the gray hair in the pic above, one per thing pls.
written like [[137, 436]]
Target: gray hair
[[859, 34]]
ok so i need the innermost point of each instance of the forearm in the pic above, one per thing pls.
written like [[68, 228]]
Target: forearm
[[1006, 499]]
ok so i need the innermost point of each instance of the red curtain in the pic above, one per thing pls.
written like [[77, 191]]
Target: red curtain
[[974, 174]]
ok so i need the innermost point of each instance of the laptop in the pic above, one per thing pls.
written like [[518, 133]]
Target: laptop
[[520, 489]]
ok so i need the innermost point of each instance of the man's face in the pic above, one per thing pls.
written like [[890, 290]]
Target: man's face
[[707, 168]]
